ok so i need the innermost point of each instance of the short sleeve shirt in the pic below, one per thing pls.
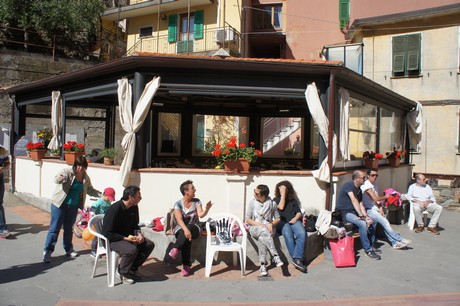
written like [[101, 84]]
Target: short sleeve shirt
[[367, 200], [344, 203], [189, 215]]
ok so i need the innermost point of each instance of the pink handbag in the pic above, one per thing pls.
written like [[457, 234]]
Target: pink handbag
[[343, 251]]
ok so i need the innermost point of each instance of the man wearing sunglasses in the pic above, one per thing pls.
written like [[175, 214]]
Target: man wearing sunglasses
[[373, 208]]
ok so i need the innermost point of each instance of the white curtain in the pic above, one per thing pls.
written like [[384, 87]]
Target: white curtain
[[56, 120], [344, 126], [131, 124], [320, 118], [414, 122]]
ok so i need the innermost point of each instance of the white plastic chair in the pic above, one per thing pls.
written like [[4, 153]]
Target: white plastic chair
[[213, 247], [111, 256]]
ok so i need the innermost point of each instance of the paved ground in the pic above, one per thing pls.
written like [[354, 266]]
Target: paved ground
[[425, 274]]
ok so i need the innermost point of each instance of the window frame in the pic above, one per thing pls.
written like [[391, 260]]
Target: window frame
[[146, 27], [263, 8], [406, 55]]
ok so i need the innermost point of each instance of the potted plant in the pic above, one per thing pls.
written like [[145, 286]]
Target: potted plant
[[109, 155], [72, 150], [395, 157], [234, 157], [36, 150], [371, 159]]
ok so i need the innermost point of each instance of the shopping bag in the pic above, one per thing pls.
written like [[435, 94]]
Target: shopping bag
[[343, 252]]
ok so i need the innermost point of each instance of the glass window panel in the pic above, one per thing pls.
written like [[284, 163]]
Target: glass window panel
[[363, 116], [361, 142], [209, 130], [315, 138], [391, 131], [186, 27], [277, 16], [169, 134], [279, 137]]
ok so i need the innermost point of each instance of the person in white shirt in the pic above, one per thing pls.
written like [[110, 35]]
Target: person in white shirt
[[422, 197], [373, 208]]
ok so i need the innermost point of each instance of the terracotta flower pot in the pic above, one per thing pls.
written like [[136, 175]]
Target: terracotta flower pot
[[37, 154], [237, 166], [371, 163], [70, 157], [394, 162]]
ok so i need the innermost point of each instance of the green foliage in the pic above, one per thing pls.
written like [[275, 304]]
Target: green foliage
[[109, 153], [66, 18]]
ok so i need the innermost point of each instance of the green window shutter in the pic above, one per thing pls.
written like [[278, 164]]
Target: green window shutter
[[198, 27], [413, 52], [399, 54], [344, 12], [172, 28]]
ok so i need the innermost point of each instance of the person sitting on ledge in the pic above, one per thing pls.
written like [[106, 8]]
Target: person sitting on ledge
[[422, 198]]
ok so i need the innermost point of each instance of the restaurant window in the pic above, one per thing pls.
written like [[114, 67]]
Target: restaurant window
[[406, 55], [391, 131], [282, 137], [209, 130], [362, 127], [169, 134], [267, 17]]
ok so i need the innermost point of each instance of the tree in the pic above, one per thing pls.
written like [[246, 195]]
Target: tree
[[72, 22]]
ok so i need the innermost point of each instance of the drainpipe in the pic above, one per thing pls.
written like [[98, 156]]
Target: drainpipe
[[329, 138]]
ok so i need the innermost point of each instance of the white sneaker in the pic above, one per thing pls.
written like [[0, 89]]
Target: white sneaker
[[277, 260], [406, 241], [263, 270], [4, 233], [71, 254]]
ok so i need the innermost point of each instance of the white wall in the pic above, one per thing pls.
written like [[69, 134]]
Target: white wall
[[160, 187]]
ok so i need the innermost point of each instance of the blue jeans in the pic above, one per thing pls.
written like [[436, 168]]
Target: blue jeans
[[2, 210], [392, 236], [366, 234], [63, 216], [294, 236]]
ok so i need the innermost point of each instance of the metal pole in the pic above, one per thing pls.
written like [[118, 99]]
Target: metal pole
[[330, 139]]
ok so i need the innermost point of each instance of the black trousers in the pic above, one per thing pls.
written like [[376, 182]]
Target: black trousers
[[132, 255], [184, 244]]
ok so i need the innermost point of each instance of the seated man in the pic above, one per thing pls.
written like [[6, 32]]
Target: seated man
[[348, 202], [262, 216], [422, 198], [121, 228], [373, 208]]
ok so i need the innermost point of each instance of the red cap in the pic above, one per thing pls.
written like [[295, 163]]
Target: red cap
[[110, 193]]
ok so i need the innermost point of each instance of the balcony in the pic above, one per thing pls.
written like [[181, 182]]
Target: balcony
[[213, 39]]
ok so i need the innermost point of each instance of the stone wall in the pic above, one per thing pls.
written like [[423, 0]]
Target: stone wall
[[22, 68]]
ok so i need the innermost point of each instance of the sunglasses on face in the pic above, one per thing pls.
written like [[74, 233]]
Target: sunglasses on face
[[374, 175]]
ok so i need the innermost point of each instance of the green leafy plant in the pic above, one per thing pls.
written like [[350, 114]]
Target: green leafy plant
[[109, 153]]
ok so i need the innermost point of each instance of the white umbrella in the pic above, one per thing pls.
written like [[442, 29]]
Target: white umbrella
[[320, 118], [131, 124], [56, 120]]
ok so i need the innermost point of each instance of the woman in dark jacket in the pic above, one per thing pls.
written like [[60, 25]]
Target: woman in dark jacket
[[72, 185]]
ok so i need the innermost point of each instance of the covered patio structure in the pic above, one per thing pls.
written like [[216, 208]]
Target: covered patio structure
[[194, 103]]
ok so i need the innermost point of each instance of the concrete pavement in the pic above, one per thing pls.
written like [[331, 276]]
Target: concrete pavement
[[425, 274]]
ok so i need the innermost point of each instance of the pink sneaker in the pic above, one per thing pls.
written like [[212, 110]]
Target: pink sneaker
[[173, 253], [186, 271]]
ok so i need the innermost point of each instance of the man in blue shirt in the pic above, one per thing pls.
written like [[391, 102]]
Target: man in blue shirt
[[349, 203]]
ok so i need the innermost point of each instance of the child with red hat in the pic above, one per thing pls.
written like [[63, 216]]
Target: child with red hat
[[100, 207]]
